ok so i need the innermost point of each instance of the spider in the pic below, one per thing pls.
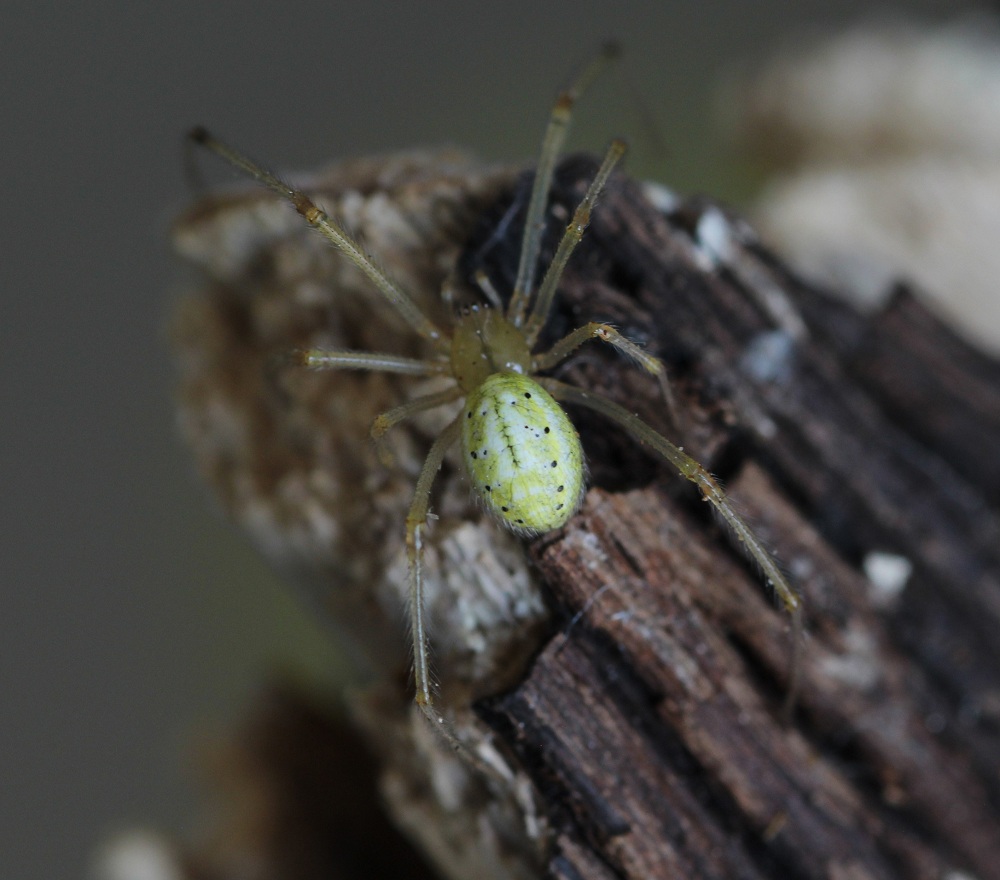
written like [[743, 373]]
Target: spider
[[520, 449]]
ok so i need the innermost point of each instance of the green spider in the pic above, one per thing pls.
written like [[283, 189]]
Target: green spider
[[521, 452]]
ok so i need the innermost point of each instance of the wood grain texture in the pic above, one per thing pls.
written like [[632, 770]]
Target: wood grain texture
[[642, 712]]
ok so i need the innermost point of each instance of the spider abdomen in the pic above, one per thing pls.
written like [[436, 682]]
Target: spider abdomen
[[522, 453]]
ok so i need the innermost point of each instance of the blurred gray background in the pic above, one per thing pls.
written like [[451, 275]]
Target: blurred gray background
[[134, 623]]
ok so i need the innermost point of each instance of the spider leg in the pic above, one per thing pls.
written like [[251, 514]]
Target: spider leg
[[606, 333], [534, 224], [416, 520], [323, 359], [712, 492], [571, 238], [317, 218], [326, 359], [394, 416], [688, 468], [489, 291]]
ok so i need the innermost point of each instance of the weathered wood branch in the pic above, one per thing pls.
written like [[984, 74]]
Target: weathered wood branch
[[624, 675]]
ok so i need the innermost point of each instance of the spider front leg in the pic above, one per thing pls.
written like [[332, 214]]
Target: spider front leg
[[333, 232], [712, 492], [534, 224]]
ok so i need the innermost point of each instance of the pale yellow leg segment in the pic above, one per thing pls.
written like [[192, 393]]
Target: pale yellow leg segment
[[534, 225], [324, 359], [332, 232], [489, 291], [606, 333], [711, 491], [571, 238], [416, 520], [394, 416], [688, 468]]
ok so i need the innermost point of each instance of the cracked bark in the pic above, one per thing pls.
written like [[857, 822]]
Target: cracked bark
[[643, 709]]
